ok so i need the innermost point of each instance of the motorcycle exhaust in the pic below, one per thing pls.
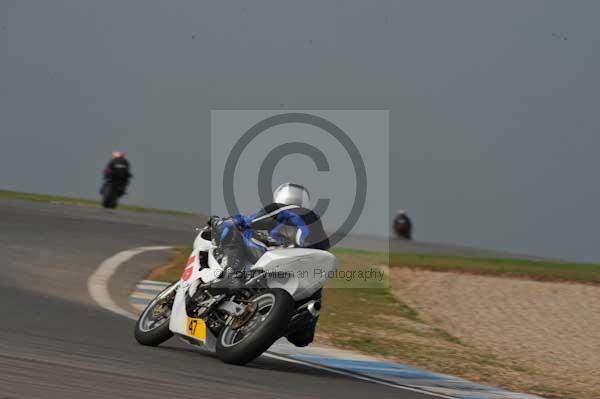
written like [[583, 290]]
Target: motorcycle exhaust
[[314, 308]]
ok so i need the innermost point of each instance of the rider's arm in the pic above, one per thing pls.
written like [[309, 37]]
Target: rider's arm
[[287, 218], [129, 174], [266, 218]]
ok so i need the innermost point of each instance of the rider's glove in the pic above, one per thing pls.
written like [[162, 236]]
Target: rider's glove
[[242, 222]]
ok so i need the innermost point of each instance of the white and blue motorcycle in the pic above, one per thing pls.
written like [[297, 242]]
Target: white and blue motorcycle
[[281, 296]]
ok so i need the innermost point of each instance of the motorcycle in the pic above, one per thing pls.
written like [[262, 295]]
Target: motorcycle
[[403, 227], [280, 296]]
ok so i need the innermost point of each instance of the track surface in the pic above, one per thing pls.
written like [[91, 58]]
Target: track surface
[[56, 343]]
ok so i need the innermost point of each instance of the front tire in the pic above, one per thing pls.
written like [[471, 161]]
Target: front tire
[[152, 327], [109, 197], [242, 345]]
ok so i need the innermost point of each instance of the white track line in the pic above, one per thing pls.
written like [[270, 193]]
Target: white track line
[[148, 287], [98, 282], [98, 288], [158, 283], [143, 295]]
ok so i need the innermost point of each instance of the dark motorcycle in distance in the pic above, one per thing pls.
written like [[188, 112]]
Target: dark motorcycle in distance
[[116, 179], [403, 226]]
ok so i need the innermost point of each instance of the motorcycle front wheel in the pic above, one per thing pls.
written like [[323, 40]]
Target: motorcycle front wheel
[[152, 327], [274, 308], [109, 196]]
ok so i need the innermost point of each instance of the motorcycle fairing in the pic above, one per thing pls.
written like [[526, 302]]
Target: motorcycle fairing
[[299, 271], [193, 329]]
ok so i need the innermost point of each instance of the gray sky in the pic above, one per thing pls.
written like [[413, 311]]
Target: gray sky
[[493, 104]]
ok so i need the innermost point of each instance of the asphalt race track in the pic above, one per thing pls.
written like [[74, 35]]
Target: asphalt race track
[[55, 342]]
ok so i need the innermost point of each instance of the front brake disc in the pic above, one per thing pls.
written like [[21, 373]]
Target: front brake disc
[[245, 317]]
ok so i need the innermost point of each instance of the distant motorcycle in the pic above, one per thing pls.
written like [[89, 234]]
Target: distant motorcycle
[[280, 296], [111, 191], [116, 178], [403, 226]]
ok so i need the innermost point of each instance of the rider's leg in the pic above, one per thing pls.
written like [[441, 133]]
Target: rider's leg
[[231, 244]]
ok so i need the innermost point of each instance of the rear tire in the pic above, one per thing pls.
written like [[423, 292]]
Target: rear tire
[[272, 325], [152, 335]]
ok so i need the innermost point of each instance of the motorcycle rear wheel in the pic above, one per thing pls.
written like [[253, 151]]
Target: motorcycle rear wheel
[[242, 345]]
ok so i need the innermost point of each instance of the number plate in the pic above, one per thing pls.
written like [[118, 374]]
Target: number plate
[[196, 328]]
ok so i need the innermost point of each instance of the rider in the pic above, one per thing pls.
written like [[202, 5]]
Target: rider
[[117, 170], [403, 225], [286, 221]]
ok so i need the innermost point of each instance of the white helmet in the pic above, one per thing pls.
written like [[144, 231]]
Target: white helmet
[[291, 194]]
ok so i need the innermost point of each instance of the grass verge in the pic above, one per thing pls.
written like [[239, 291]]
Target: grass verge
[[535, 270], [57, 199], [172, 270]]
